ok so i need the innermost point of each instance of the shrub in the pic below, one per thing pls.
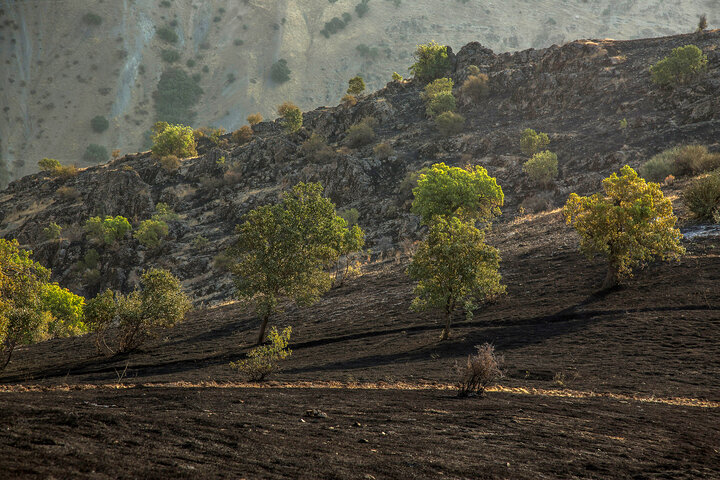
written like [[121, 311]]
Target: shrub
[[163, 213], [475, 87], [317, 150], [542, 168], [630, 224], [280, 72], [531, 142], [65, 309], [680, 67], [175, 97], [383, 151], [362, 8], [151, 233], [479, 372], [292, 116], [95, 153], [349, 101], [68, 193], [254, 118], [170, 163], [283, 249], [99, 124], [450, 123], [52, 231], [191, 63], [702, 197], [702, 23], [660, 165], [160, 304], [454, 266], [396, 77], [176, 140], [431, 62], [537, 203], [362, 133], [452, 191], [694, 159], [91, 18], [107, 230], [350, 215], [49, 165], [243, 135], [263, 360], [356, 85], [65, 171], [169, 55], [167, 34]]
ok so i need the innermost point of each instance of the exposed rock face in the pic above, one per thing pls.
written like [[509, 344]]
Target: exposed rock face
[[578, 93]]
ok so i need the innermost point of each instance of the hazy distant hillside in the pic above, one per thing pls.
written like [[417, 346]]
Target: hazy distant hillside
[[68, 61]]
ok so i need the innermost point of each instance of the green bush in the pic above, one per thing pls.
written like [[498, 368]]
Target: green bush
[[175, 97], [52, 231], [450, 123], [92, 19], [280, 72], [362, 133], [680, 161], [292, 116], [254, 118], [151, 233], [431, 62], [680, 67], [167, 34], [438, 97], [362, 8], [99, 124], [177, 140], [49, 165], [660, 166], [95, 153], [531, 142], [107, 230], [169, 55], [263, 360], [356, 85], [65, 309], [702, 197], [542, 168], [396, 77]]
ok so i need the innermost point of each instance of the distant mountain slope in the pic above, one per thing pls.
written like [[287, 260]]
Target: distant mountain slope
[[66, 62]]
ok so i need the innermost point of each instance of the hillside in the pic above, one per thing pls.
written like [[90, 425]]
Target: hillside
[[66, 62], [578, 93]]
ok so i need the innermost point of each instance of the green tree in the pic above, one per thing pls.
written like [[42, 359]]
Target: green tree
[[99, 124], [531, 142], [438, 97], [681, 66], [454, 266], [280, 72], [65, 309], [49, 165], [630, 225], [292, 116], [452, 191], [107, 230], [282, 250], [431, 62], [356, 85], [176, 140], [151, 233], [263, 360], [95, 153], [542, 168], [176, 95]]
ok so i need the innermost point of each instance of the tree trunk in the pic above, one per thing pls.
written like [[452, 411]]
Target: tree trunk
[[261, 337], [448, 312], [611, 279], [9, 351]]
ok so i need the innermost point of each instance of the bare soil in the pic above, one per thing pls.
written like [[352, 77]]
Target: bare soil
[[650, 350]]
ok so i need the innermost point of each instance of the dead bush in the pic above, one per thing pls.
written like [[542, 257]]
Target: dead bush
[[383, 151], [540, 202], [254, 118], [243, 134], [479, 371], [316, 150], [475, 87], [349, 100], [170, 163], [68, 194]]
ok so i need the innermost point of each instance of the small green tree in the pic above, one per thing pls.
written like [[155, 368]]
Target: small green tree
[[65, 309], [542, 168], [95, 153], [431, 62], [396, 77], [263, 360], [107, 230], [680, 67], [151, 233], [280, 72], [176, 140], [454, 266], [99, 124], [630, 225], [450, 123], [49, 165], [438, 97], [292, 116], [452, 191], [356, 85], [532, 142], [283, 250]]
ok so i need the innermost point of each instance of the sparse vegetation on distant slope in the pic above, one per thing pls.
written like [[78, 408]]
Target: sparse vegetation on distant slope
[[175, 97], [282, 250], [99, 124], [280, 72], [95, 153], [630, 224], [680, 67]]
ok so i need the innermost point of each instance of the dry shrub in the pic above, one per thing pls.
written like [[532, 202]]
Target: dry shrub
[[116, 154], [68, 193], [702, 197], [362, 132], [540, 202], [383, 151], [479, 372], [254, 118], [317, 150], [65, 171], [243, 134], [349, 100], [475, 87], [690, 159], [170, 163]]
